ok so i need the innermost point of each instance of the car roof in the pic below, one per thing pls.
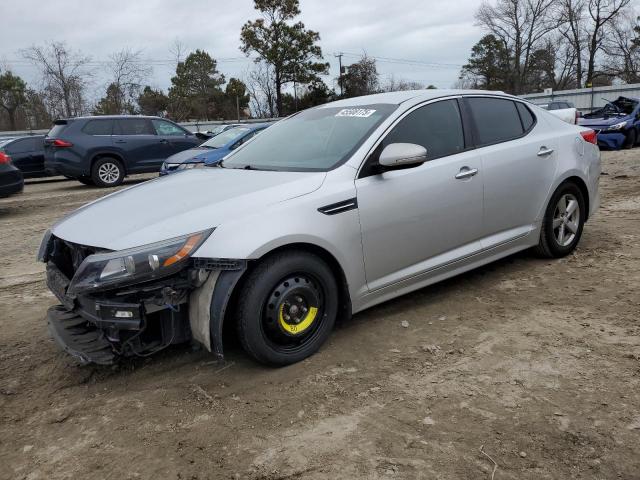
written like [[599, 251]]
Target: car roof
[[7, 140], [112, 117], [397, 98]]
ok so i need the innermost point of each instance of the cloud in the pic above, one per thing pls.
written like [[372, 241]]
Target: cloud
[[432, 31]]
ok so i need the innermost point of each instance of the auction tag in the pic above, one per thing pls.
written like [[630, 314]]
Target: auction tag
[[355, 112]]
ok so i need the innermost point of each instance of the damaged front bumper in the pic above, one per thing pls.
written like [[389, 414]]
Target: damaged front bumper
[[142, 319]]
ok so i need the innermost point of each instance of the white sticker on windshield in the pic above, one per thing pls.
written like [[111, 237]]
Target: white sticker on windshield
[[355, 112]]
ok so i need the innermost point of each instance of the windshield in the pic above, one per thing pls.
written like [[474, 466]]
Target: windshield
[[219, 129], [225, 137], [318, 139]]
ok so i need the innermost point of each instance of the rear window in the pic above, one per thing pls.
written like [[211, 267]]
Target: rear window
[[98, 127], [56, 130], [497, 120], [134, 126], [526, 116]]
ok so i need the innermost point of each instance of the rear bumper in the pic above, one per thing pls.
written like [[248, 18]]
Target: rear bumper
[[58, 164], [11, 182]]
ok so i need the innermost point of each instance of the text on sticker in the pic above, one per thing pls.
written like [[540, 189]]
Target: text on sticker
[[355, 112]]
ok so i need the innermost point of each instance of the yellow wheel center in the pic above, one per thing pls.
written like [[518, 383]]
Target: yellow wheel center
[[302, 326]]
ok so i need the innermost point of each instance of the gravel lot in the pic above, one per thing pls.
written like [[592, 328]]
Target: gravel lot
[[535, 361]]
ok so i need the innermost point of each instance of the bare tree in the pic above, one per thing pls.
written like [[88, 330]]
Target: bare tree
[[128, 73], [262, 90], [178, 51], [622, 50], [604, 14], [65, 75], [399, 85], [572, 29], [521, 25]]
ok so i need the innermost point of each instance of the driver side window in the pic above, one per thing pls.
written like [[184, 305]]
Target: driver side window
[[436, 126]]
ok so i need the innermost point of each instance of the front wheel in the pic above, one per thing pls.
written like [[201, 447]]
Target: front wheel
[[632, 139], [287, 308], [563, 222], [107, 172]]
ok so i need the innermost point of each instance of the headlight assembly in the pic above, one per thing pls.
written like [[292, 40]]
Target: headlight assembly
[[139, 264], [618, 126], [191, 165]]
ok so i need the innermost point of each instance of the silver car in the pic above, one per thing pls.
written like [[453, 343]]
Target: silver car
[[327, 213]]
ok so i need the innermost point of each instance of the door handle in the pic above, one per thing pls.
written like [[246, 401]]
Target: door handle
[[120, 141], [466, 172], [544, 151], [164, 140]]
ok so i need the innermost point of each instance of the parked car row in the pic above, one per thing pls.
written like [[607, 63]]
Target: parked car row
[[103, 150]]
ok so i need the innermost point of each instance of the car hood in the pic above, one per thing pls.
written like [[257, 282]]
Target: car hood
[[602, 121], [186, 155], [209, 156], [180, 204]]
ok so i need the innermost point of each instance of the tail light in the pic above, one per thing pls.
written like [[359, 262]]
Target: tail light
[[590, 136], [62, 143], [4, 158]]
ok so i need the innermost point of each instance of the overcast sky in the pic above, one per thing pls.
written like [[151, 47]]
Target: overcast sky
[[421, 40]]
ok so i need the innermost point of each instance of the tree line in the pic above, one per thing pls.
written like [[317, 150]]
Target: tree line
[[531, 45], [286, 76]]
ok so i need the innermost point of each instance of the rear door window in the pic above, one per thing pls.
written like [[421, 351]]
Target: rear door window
[[134, 126], [56, 130], [98, 127], [496, 120]]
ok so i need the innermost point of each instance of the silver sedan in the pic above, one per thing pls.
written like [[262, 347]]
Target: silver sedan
[[327, 213]]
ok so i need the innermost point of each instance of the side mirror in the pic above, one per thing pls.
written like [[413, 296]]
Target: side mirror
[[398, 154], [200, 135]]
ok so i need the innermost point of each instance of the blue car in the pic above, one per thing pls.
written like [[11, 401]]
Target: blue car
[[617, 123], [213, 150]]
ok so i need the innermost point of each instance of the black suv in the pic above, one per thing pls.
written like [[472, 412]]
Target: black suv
[[103, 150]]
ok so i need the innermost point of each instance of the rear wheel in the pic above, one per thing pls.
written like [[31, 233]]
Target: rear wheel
[[563, 222], [107, 172], [287, 308]]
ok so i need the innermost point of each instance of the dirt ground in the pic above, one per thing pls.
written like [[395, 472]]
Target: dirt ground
[[535, 361]]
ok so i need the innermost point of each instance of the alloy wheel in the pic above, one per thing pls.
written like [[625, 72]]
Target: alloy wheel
[[109, 172], [566, 220]]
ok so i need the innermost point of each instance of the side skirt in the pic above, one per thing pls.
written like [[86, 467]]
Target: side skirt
[[444, 272]]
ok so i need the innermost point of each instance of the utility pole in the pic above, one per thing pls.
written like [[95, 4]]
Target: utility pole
[[339, 57]]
